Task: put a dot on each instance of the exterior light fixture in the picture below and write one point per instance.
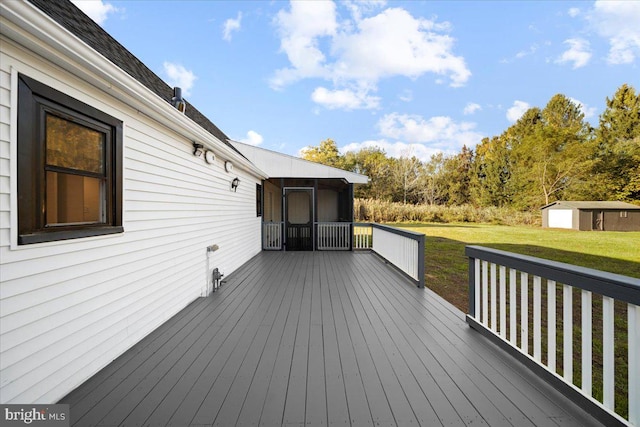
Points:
(198, 149)
(235, 183)
(209, 157)
(177, 101)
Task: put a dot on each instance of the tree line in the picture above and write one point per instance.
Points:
(549, 154)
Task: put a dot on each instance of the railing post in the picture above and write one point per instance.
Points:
(633, 337)
(421, 261)
(472, 287)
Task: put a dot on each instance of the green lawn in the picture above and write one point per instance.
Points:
(446, 265)
(617, 252)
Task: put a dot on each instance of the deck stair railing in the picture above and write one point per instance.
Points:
(526, 305)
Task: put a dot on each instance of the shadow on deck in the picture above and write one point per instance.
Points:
(318, 339)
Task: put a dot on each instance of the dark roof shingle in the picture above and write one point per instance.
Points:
(74, 20)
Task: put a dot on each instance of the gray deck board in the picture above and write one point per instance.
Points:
(318, 339)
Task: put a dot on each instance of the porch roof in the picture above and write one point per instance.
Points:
(278, 165)
(319, 338)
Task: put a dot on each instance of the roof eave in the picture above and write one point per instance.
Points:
(28, 26)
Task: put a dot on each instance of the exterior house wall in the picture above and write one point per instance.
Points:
(327, 205)
(272, 202)
(68, 308)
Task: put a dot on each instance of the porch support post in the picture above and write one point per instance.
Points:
(314, 225)
(350, 215)
(283, 231)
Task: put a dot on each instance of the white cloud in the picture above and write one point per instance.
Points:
(179, 76)
(300, 31)
(440, 132)
(97, 10)
(589, 112)
(578, 53)
(230, 26)
(573, 12)
(361, 51)
(415, 136)
(253, 138)
(394, 43)
(517, 110)
(345, 99)
(471, 108)
(618, 21)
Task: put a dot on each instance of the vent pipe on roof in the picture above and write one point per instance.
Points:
(177, 101)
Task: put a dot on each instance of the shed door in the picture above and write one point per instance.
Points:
(298, 208)
(598, 220)
(560, 218)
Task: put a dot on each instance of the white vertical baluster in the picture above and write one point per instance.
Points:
(537, 308)
(567, 332)
(494, 299)
(513, 332)
(503, 302)
(485, 293)
(633, 334)
(477, 290)
(524, 312)
(551, 325)
(587, 358)
(608, 361)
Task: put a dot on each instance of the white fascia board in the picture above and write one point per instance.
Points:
(28, 26)
(279, 165)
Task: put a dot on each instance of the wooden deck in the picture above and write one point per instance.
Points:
(318, 339)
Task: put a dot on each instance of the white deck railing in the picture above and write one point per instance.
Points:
(362, 236)
(515, 300)
(271, 236)
(335, 236)
(403, 249)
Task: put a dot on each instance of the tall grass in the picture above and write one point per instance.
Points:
(371, 210)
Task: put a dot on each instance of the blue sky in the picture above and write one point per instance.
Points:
(413, 78)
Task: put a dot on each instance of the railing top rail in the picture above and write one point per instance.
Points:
(406, 233)
(613, 285)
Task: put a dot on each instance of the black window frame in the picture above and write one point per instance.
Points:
(258, 200)
(35, 100)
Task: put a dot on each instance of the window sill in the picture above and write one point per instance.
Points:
(52, 236)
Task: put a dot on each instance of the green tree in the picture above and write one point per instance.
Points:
(616, 169)
(406, 176)
(431, 186)
(325, 153)
(551, 150)
(517, 142)
(491, 173)
(374, 163)
(456, 177)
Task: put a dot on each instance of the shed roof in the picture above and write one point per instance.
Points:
(79, 24)
(278, 165)
(614, 205)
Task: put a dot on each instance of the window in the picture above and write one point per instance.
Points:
(69, 167)
(623, 214)
(258, 200)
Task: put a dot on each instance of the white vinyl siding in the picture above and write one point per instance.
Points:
(69, 308)
(560, 218)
